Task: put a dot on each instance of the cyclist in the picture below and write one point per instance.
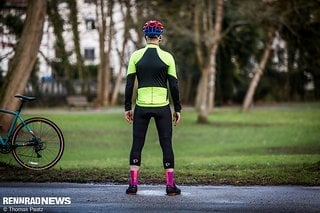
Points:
(154, 69)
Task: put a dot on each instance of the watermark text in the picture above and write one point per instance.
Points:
(36, 201)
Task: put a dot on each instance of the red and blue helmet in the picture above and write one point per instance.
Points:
(153, 28)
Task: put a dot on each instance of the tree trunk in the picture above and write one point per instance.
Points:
(210, 36)
(199, 53)
(102, 33)
(213, 53)
(60, 45)
(257, 76)
(116, 88)
(126, 14)
(104, 69)
(107, 69)
(25, 56)
(212, 77)
(74, 23)
(202, 94)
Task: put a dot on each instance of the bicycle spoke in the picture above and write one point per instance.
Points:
(42, 149)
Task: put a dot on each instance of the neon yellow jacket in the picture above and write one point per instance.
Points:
(155, 69)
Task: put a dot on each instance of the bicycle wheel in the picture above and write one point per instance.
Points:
(40, 150)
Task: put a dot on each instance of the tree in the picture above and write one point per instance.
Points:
(267, 14)
(300, 30)
(73, 17)
(105, 41)
(126, 14)
(57, 23)
(296, 21)
(24, 58)
(207, 37)
(258, 73)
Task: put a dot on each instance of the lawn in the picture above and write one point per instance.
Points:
(266, 146)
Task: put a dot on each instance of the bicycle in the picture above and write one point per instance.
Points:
(36, 143)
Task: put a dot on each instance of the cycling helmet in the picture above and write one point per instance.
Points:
(153, 28)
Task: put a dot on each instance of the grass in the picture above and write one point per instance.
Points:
(264, 146)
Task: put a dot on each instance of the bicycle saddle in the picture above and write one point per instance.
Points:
(25, 98)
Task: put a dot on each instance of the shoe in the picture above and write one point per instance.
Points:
(132, 190)
(172, 191)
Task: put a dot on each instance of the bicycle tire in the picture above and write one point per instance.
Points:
(51, 144)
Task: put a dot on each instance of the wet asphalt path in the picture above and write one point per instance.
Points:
(152, 198)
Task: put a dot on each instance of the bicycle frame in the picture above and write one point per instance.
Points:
(17, 117)
(32, 135)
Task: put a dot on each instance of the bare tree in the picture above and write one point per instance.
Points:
(105, 41)
(207, 37)
(125, 12)
(73, 17)
(24, 58)
(102, 28)
(216, 40)
(57, 24)
(258, 73)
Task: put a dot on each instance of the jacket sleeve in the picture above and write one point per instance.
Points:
(174, 90)
(131, 75)
(128, 91)
(173, 85)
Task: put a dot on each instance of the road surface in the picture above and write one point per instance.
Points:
(73, 197)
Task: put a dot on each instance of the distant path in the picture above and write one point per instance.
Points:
(119, 109)
(152, 198)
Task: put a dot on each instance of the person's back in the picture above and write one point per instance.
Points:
(154, 69)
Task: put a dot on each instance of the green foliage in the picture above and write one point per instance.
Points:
(74, 23)
(92, 70)
(301, 32)
(58, 23)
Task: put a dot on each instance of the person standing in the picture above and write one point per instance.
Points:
(154, 69)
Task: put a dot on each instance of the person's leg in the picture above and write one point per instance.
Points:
(140, 126)
(163, 121)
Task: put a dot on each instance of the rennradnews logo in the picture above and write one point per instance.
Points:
(36, 201)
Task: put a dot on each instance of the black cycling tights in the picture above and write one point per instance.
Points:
(163, 119)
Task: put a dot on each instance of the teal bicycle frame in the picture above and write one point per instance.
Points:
(17, 116)
(27, 139)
